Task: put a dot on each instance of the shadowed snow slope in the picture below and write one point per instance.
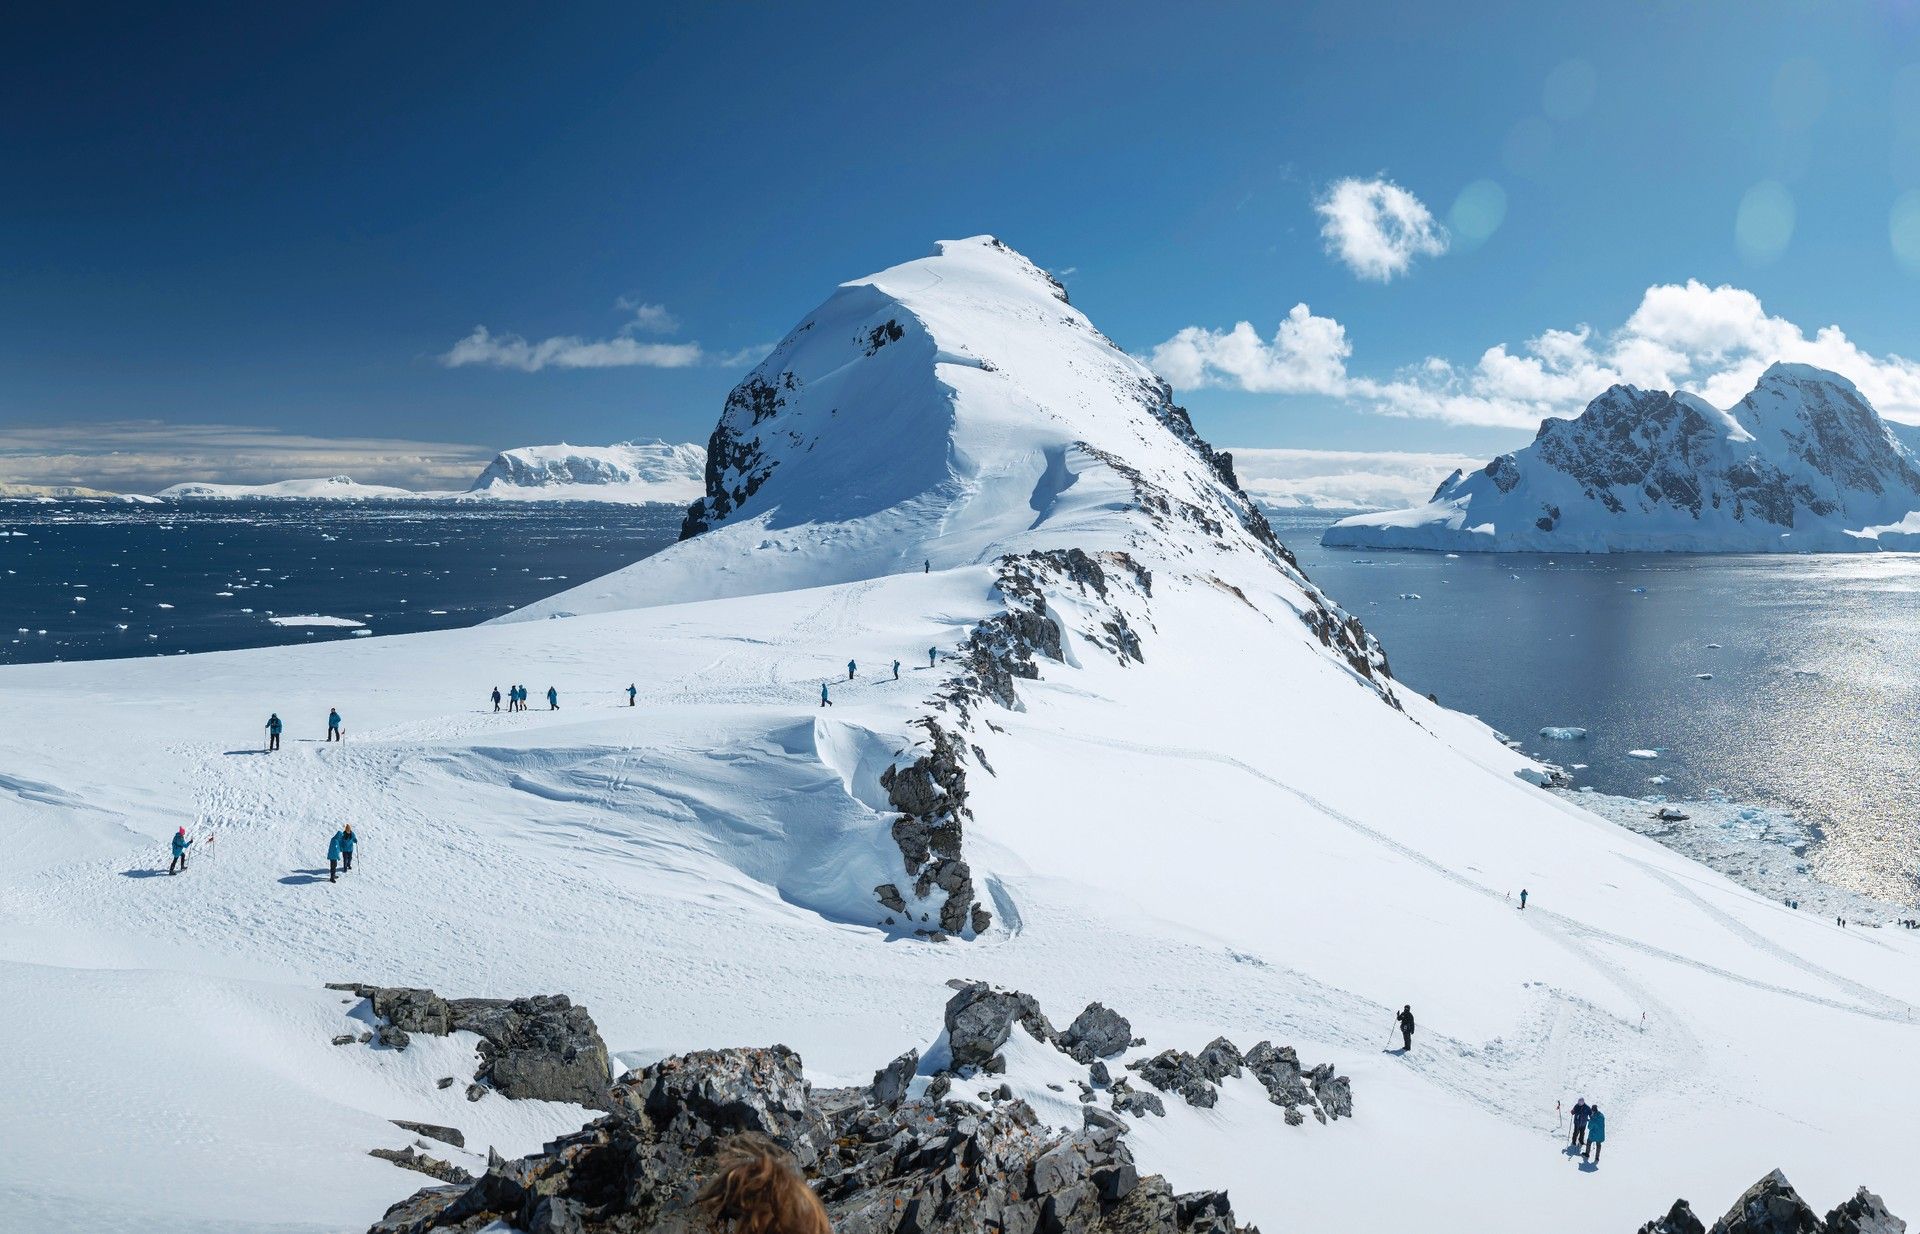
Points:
(1186, 785)
(1801, 465)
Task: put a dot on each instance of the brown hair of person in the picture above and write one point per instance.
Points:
(757, 1189)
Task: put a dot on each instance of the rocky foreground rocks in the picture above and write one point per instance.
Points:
(1772, 1206)
(883, 1163)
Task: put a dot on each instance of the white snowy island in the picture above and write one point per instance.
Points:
(1149, 764)
(1801, 465)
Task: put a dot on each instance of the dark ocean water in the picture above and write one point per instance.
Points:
(1812, 707)
(86, 581)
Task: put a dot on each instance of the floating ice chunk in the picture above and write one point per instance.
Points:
(1713, 646)
(1656, 779)
(1409, 595)
(1453, 556)
(315, 619)
(1643, 754)
(362, 633)
(1578, 767)
(1639, 591)
(1703, 676)
(1554, 732)
(166, 606)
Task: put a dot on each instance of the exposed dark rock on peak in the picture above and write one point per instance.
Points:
(1772, 1206)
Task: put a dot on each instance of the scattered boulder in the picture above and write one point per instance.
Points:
(433, 1131)
(1770, 1206)
(1679, 1220)
(890, 1082)
(980, 1019)
(1864, 1213)
(1096, 1033)
(411, 1159)
(1176, 1071)
(922, 1166)
(1129, 1100)
(1219, 1060)
(541, 1048)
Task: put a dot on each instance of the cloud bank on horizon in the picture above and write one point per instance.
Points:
(1713, 341)
(144, 456)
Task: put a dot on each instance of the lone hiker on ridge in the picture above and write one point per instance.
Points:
(333, 724)
(932, 653)
(1581, 1112)
(896, 670)
(1405, 1020)
(633, 692)
(824, 700)
(180, 846)
(1523, 899)
(273, 731)
(850, 667)
(553, 699)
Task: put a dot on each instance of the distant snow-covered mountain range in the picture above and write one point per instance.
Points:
(1802, 464)
(630, 473)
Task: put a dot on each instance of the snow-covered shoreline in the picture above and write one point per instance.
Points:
(1765, 850)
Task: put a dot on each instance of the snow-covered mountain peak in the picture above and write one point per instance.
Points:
(636, 470)
(1802, 464)
(953, 409)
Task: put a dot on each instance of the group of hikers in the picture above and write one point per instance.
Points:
(275, 725)
(516, 698)
(853, 669)
(1589, 1124)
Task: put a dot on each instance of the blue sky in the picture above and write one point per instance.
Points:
(281, 220)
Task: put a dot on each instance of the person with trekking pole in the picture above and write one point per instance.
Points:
(1405, 1021)
(273, 732)
(1582, 1112)
(180, 846)
(1596, 1134)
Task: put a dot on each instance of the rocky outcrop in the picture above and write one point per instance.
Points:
(915, 1168)
(433, 1131)
(1772, 1206)
(931, 795)
(542, 1047)
(980, 1019)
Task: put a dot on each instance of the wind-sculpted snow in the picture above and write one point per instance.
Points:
(1802, 464)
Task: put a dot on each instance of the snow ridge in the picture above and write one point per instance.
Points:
(1802, 464)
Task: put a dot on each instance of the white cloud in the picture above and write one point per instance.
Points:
(570, 351)
(647, 318)
(567, 351)
(1344, 479)
(1308, 355)
(1713, 341)
(1377, 228)
(142, 456)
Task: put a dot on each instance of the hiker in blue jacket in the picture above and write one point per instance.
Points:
(824, 700)
(180, 846)
(849, 670)
(896, 670)
(348, 842)
(931, 654)
(334, 847)
(1596, 1135)
(1523, 899)
(553, 699)
(633, 692)
(333, 724)
(273, 731)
